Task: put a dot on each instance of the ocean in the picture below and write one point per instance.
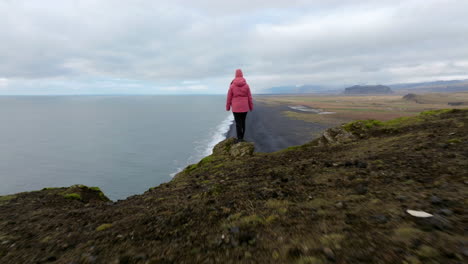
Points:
(122, 144)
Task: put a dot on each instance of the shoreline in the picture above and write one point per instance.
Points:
(270, 130)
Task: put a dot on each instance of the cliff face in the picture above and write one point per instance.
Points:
(341, 198)
(368, 89)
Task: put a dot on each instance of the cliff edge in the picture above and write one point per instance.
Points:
(342, 198)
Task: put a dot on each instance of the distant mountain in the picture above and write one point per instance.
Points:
(295, 89)
(436, 86)
(368, 89)
(422, 87)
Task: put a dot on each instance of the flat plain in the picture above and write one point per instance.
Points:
(333, 110)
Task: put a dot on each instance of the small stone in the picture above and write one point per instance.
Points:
(361, 165)
(440, 222)
(329, 254)
(361, 189)
(339, 205)
(381, 219)
(446, 212)
(234, 229)
(435, 200)
(401, 198)
(435, 222)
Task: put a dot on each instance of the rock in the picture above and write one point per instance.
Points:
(242, 149)
(335, 136)
(435, 200)
(361, 189)
(234, 229)
(339, 205)
(401, 198)
(380, 219)
(465, 252)
(440, 222)
(361, 164)
(294, 252)
(435, 222)
(420, 214)
(329, 254)
(229, 147)
(445, 211)
(223, 147)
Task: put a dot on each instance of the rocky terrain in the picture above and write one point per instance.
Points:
(342, 198)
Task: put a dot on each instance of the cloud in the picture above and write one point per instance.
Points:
(165, 45)
(3, 82)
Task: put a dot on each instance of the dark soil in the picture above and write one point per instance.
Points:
(317, 203)
(272, 131)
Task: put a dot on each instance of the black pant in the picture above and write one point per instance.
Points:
(240, 124)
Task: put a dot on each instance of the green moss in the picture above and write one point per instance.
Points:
(206, 159)
(72, 196)
(103, 227)
(271, 219)
(407, 234)
(434, 112)
(454, 141)
(362, 124)
(6, 198)
(427, 252)
(191, 168)
(402, 121)
(309, 260)
(281, 206)
(97, 189)
(215, 190)
(317, 203)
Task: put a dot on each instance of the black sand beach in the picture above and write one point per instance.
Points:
(271, 131)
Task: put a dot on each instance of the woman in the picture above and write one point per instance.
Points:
(239, 99)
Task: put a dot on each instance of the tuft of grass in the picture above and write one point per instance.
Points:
(6, 198)
(454, 141)
(407, 234)
(362, 125)
(249, 221)
(281, 206)
(206, 159)
(103, 227)
(332, 240)
(191, 168)
(309, 260)
(97, 189)
(72, 196)
(318, 203)
(435, 112)
(427, 252)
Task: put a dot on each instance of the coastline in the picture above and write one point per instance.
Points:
(271, 131)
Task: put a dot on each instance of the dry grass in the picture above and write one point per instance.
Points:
(379, 107)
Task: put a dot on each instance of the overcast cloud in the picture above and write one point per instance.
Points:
(181, 46)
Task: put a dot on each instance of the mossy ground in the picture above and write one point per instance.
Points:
(341, 203)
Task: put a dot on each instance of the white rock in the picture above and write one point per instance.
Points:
(418, 213)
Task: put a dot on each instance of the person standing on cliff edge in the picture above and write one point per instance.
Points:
(239, 99)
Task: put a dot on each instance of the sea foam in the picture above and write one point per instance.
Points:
(205, 147)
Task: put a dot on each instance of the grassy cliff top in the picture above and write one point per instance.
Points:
(339, 199)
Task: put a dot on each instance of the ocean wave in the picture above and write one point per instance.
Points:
(205, 147)
(218, 135)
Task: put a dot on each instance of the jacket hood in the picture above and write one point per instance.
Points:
(239, 73)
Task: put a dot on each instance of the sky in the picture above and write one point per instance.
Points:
(194, 47)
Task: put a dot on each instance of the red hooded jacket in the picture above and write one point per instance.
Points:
(239, 97)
